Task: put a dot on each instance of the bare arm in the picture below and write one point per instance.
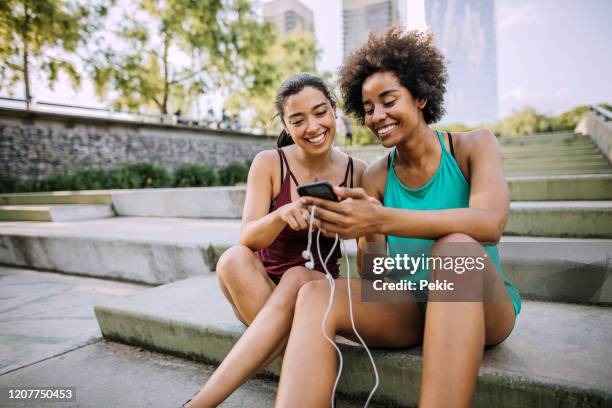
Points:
(373, 183)
(484, 220)
(259, 226)
(489, 204)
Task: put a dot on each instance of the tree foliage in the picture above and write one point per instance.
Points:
(285, 55)
(38, 35)
(170, 51)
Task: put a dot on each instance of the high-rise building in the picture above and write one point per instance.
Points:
(289, 15)
(360, 17)
(465, 32)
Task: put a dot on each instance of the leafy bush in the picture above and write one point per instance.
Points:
(140, 175)
(234, 173)
(195, 175)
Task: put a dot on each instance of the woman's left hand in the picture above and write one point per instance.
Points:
(356, 215)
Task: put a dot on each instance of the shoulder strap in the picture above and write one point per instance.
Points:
(284, 158)
(349, 173)
(280, 154)
(450, 144)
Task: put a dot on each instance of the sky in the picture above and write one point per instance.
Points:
(552, 54)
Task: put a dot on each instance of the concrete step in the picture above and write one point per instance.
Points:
(550, 138)
(575, 187)
(549, 269)
(227, 202)
(57, 212)
(566, 160)
(58, 197)
(517, 172)
(161, 250)
(556, 356)
(138, 249)
(579, 219)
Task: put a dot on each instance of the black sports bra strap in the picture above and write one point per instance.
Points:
(352, 170)
(450, 144)
(284, 158)
(349, 169)
(282, 166)
(389, 161)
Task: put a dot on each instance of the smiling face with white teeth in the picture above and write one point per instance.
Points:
(391, 112)
(309, 119)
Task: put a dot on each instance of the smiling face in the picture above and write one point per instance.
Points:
(309, 119)
(391, 112)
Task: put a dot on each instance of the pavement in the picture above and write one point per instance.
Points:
(49, 337)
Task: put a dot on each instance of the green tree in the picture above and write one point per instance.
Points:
(285, 56)
(38, 35)
(174, 50)
(526, 122)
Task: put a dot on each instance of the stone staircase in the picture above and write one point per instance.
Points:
(557, 250)
(545, 154)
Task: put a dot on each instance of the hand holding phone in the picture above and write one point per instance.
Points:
(319, 189)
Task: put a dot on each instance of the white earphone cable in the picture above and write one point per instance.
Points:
(332, 290)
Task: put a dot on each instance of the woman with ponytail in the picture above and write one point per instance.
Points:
(262, 276)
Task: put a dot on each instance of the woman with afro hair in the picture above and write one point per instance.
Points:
(443, 197)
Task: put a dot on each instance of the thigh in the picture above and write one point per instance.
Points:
(380, 324)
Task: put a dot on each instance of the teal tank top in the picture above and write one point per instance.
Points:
(447, 189)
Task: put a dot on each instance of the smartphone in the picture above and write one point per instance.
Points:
(319, 189)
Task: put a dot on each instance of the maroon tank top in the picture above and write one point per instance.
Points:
(286, 250)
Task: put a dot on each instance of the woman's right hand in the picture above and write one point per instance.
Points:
(295, 215)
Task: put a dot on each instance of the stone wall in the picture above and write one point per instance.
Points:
(38, 145)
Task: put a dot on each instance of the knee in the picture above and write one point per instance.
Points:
(455, 237)
(294, 278)
(312, 295)
(233, 262)
(445, 245)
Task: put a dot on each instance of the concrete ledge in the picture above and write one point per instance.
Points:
(59, 212)
(549, 269)
(556, 356)
(152, 251)
(58, 197)
(198, 202)
(600, 131)
(541, 188)
(580, 219)
(161, 250)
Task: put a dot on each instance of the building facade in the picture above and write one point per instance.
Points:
(289, 15)
(465, 32)
(360, 17)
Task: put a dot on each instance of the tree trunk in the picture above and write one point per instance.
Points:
(166, 82)
(26, 67)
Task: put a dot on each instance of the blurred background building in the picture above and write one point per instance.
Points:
(465, 32)
(360, 17)
(288, 15)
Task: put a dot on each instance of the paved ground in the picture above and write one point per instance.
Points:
(44, 314)
(49, 337)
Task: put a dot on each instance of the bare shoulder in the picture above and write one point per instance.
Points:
(477, 140)
(265, 162)
(359, 167)
(375, 177)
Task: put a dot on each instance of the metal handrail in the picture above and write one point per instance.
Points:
(144, 117)
(601, 111)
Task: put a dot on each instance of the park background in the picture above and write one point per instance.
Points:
(119, 190)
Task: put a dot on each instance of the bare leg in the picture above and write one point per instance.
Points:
(244, 282)
(309, 367)
(261, 342)
(455, 335)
